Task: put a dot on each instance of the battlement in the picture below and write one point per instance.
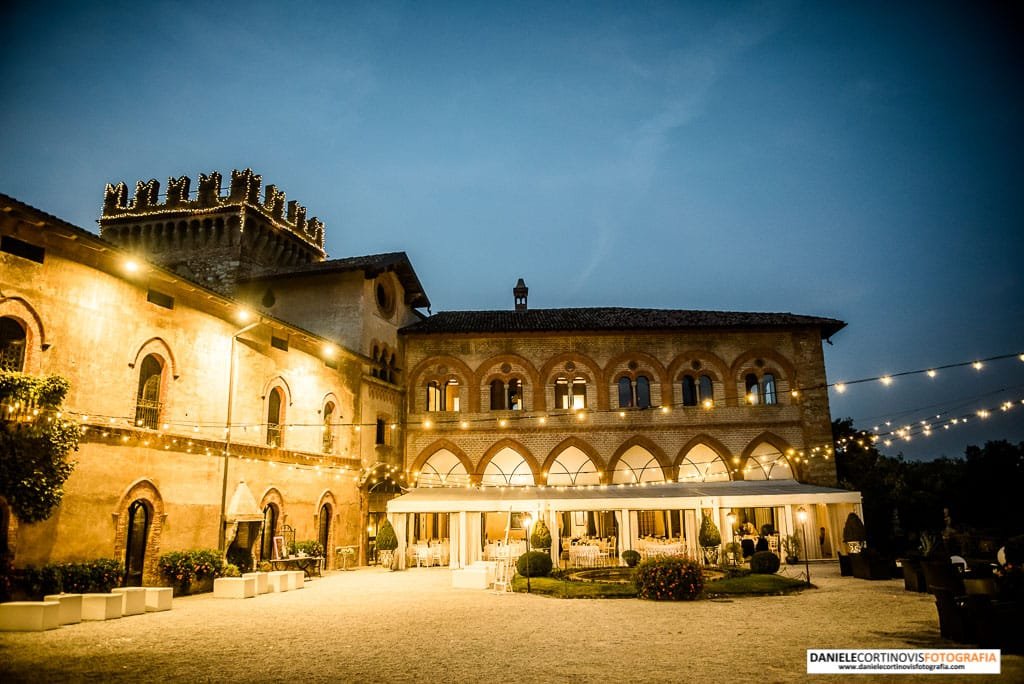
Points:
(244, 190)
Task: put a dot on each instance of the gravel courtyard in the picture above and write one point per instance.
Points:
(371, 625)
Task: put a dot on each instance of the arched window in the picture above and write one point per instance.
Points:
(451, 395)
(268, 532)
(325, 528)
(147, 404)
(328, 445)
(12, 345)
(625, 393)
(275, 405)
(768, 385)
(515, 394)
(689, 391)
(434, 395)
(497, 395)
(707, 391)
(643, 392)
(579, 392)
(753, 389)
(135, 548)
(561, 392)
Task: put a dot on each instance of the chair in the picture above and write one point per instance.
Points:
(422, 555)
(435, 554)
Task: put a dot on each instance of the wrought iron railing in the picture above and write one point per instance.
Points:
(147, 414)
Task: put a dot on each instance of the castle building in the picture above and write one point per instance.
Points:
(234, 385)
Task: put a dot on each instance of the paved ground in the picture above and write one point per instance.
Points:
(372, 625)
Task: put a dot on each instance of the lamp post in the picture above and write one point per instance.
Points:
(227, 434)
(527, 523)
(801, 515)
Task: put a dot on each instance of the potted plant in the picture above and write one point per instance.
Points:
(734, 552)
(631, 557)
(710, 539)
(855, 536)
(791, 548)
(387, 542)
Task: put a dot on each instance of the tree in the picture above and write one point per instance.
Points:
(34, 444)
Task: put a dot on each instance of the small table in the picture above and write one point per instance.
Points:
(307, 564)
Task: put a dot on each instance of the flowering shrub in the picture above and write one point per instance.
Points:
(310, 548)
(669, 578)
(181, 568)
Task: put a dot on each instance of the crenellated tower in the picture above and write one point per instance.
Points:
(213, 238)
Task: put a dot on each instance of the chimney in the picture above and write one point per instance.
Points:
(520, 291)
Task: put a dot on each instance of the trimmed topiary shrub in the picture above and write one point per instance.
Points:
(386, 539)
(764, 563)
(631, 557)
(539, 564)
(540, 538)
(854, 530)
(669, 578)
(710, 539)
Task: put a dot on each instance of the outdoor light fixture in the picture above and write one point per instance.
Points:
(801, 515)
(131, 266)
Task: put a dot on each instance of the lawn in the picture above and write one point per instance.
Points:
(746, 585)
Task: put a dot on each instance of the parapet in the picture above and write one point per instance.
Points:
(244, 189)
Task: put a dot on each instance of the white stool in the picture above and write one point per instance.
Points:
(70, 607)
(29, 616)
(102, 606)
(262, 581)
(279, 580)
(158, 598)
(134, 600)
(234, 587)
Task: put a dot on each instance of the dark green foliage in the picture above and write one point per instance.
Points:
(181, 568)
(540, 564)
(764, 563)
(761, 545)
(631, 557)
(767, 530)
(540, 538)
(386, 539)
(311, 547)
(709, 534)
(854, 529)
(669, 578)
(34, 444)
(1014, 551)
(98, 576)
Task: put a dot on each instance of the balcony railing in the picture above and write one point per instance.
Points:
(147, 414)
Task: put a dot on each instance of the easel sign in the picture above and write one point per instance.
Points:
(278, 548)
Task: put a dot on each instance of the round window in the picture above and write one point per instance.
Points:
(385, 298)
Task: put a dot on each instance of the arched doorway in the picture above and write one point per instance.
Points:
(268, 532)
(324, 535)
(135, 543)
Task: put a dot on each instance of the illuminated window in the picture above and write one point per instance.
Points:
(763, 390)
(752, 389)
(12, 345)
(275, 406)
(147, 403)
(579, 393)
(434, 395)
(443, 397)
(768, 385)
(707, 389)
(451, 395)
(515, 395)
(570, 395)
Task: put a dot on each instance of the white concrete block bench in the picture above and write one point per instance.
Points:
(29, 616)
(70, 607)
(262, 581)
(279, 580)
(479, 575)
(158, 598)
(102, 606)
(234, 587)
(134, 600)
(298, 579)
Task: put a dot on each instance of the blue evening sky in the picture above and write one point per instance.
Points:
(857, 160)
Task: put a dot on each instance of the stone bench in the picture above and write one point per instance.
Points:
(134, 600)
(102, 606)
(279, 580)
(298, 579)
(234, 587)
(158, 598)
(479, 575)
(262, 581)
(70, 607)
(29, 616)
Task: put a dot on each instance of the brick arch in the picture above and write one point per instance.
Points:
(583, 446)
(719, 372)
(418, 377)
(772, 440)
(519, 447)
(668, 470)
(149, 494)
(708, 441)
(773, 360)
(35, 332)
(277, 381)
(429, 451)
(158, 347)
(492, 373)
(656, 366)
(547, 377)
(273, 496)
(327, 497)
